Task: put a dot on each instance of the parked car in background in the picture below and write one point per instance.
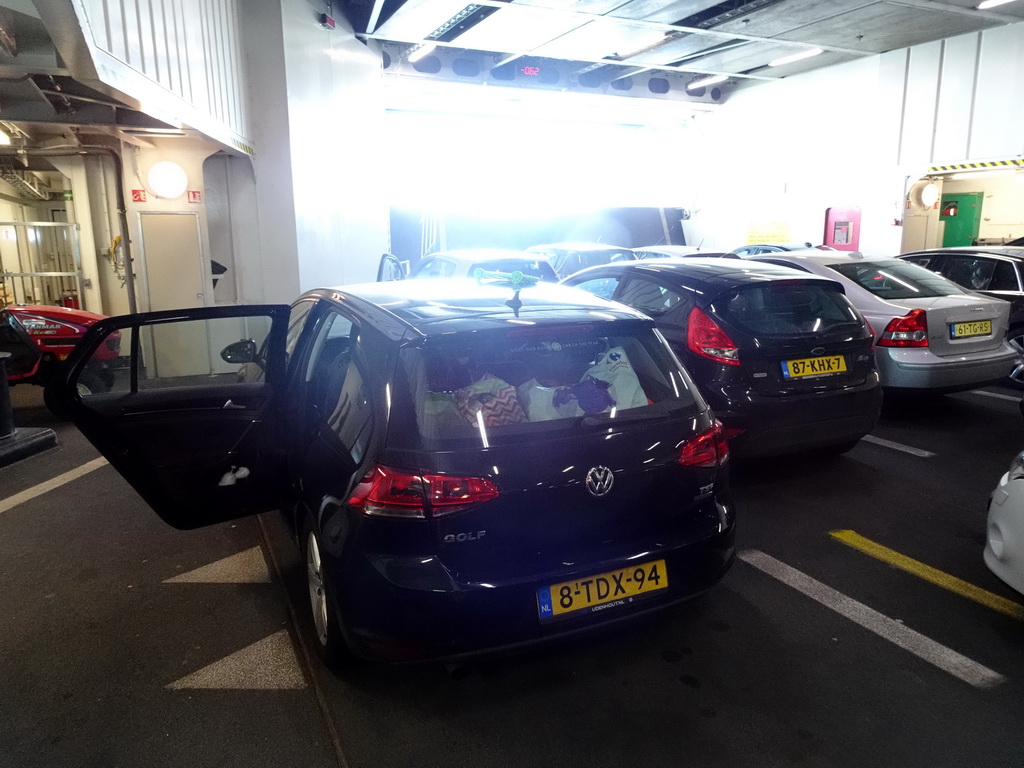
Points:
(39, 337)
(465, 263)
(674, 252)
(1015, 241)
(931, 335)
(568, 258)
(996, 271)
(466, 466)
(1004, 540)
(753, 249)
(783, 357)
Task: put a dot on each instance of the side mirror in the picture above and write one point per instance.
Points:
(243, 351)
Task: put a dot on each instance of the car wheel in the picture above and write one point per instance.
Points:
(328, 639)
(1015, 337)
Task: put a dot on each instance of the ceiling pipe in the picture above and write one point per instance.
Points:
(122, 212)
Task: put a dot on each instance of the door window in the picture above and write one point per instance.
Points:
(338, 385)
(970, 271)
(600, 286)
(1004, 278)
(179, 354)
(649, 296)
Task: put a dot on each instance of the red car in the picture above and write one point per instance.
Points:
(40, 337)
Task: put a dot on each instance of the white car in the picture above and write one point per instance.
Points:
(465, 262)
(652, 252)
(1004, 540)
(931, 335)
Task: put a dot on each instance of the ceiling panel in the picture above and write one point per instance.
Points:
(732, 37)
(882, 27)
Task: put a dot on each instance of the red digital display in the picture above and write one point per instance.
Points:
(530, 71)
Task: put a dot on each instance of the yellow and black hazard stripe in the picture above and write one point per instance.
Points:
(1012, 163)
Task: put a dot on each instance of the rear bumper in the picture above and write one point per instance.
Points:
(923, 370)
(774, 426)
(1004, 540)
(408, 609)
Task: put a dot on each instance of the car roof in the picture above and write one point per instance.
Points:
(577, 246)
(474, 255)
(1010, 251)
(824, 257)
(788, 246)
(448, 305)
(714, 271)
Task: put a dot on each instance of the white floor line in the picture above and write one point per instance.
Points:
(898, 447)
(997, 395)
(923, 647)
(38, 490)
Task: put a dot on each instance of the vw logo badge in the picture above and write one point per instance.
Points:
(599, 481)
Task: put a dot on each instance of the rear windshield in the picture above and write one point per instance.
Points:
(503, 386)
(538, 268)
(787, 309)
(894, 279)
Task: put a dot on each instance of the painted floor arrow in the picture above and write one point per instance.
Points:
(246, 567)
(269, 664)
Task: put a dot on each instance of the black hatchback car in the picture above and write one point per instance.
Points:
(783, 357)
(466, 467)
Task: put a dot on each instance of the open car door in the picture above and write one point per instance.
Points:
(185, 410)
(391, 268)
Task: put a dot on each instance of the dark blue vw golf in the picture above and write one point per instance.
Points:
(467, 466)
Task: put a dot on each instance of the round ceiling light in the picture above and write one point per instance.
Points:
(929, 195)
(167, 179)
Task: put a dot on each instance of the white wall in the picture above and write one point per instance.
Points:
(858, 134)
(335, 114)
(181, 59)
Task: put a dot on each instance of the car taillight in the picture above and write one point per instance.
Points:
(908, 331)
(387, 492)
(706, 338)
(708, 449)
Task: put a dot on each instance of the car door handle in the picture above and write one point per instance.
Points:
(230, 406)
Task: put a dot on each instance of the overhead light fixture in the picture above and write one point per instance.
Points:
(167, 180)
(5, 139)
(706, 81)
(799, 56)
(984, 6)
(420, 51)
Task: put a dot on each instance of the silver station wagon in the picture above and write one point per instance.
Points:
(930, 333)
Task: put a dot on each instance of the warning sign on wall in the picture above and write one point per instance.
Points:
(195, 196)
(138, 195)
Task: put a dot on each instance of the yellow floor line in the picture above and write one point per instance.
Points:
(934, 575)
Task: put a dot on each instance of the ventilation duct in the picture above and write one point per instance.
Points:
(26, 183)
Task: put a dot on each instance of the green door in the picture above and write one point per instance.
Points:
(962, 216)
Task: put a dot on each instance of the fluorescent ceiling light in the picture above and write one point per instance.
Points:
(713, 80)
(420, 51)
(5, 139)
(992, 4)
(799, 56)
